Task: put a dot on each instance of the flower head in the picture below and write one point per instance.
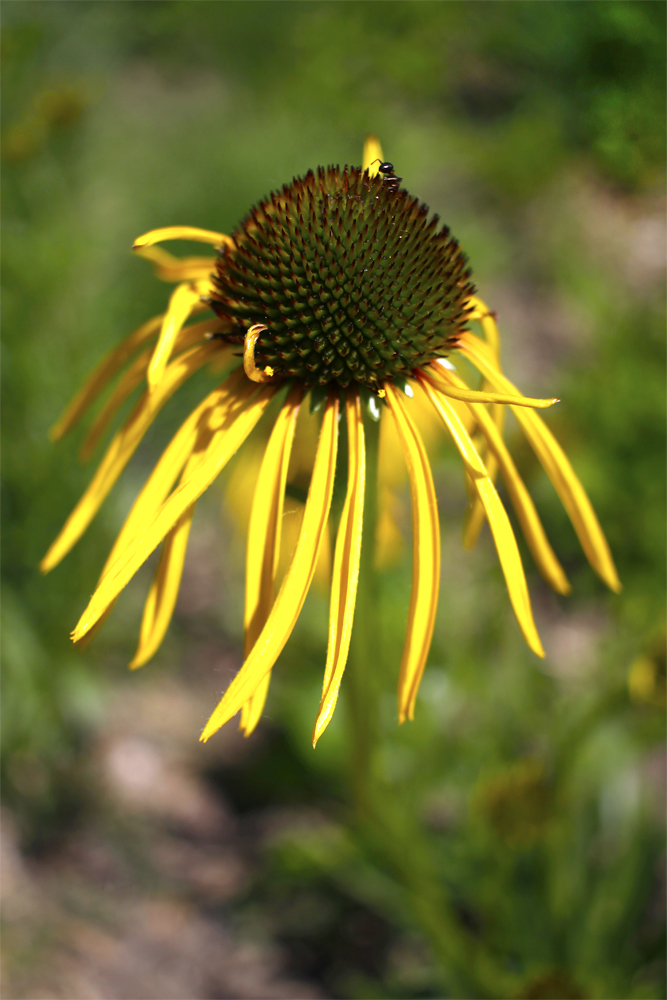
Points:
(341, 287)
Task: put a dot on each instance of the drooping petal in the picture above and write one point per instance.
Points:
(345, 567)
(487, 320)
(170, 268)
(90, 391)
(425, 557)
(459, 390)
(182, 233)
(121, 449)
(133, 377)
(476, 513)
(296, 582)
(372, 153)
(556, 465)
(544, 556)
(181, 303)
(501, 529)
(129, 381)
(161, 600)
(164, 475)
(236, 424)
(263, 550)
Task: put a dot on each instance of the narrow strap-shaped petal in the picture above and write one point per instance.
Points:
(372, 152)
(181, 303)
(165, 474)
(128, 382)
(346, 566)
(557, 467)
(544, 556)
(263, 549)
(501, 529)
(133, 377)
(122, 447)
(170, 268)
(252, 710)
(182, 233)
(476, 513)
(425, 557)
(461, 391)
(161, 600)
(295, 583)
(109, 367)
(172, 461)
(487, 320)
(236, 424)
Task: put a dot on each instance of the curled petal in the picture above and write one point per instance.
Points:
(182, 233)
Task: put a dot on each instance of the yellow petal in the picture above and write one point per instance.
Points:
(501, 529)
(170, 268)
(372, 152)
(180, 306)
(263, 549)
(556, 465)
(425, 557)
(162, 596)
(476, 513)
(103, 374)
(163, 477)
(251, 712)
(296, 582)
(345, 568)
(182, 233)
(122, 447)
(236, 424)
(129, 381)
(462, 392)
(487, 320)
(544, 556)
(171, 462)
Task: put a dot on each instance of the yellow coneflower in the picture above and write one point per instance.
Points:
(341, 286)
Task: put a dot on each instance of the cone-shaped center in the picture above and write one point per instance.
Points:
(352, 279)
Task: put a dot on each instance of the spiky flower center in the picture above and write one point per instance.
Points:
(352, 279)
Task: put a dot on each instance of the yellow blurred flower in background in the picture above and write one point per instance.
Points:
(340, 288)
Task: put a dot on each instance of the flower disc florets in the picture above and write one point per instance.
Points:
(350, 276)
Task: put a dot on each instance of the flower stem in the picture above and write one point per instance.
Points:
(386, 814)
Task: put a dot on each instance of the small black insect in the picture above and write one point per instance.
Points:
(389, 178)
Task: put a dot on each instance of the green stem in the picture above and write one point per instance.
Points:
(386, 815)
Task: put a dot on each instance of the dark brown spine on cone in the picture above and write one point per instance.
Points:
(352, 279)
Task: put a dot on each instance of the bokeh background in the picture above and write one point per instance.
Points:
(139, 863)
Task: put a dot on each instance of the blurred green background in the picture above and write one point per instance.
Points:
(139, 863)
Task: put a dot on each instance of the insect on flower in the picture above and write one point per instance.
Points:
(341, 284)
(391, 181)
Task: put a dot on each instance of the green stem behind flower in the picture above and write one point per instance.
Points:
(386, 816)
